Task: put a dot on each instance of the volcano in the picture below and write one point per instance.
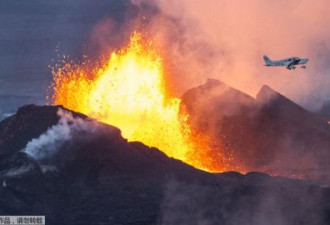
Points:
(268, 133)
(92, 175)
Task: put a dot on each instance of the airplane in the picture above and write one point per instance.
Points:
(289, 63)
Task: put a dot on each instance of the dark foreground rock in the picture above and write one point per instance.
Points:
(77, 171)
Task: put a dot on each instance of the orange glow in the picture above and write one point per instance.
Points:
(128, 91)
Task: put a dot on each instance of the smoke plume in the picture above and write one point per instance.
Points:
(227, 39)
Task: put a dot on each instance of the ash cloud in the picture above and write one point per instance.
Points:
(226, 40)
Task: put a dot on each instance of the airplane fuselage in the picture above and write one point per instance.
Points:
(289, 63)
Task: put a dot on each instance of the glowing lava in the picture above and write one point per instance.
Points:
(128, 90)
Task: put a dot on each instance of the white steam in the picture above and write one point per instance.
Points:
(17, 171)
(48, 143)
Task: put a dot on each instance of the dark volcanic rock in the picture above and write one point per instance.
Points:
(325, 110)
(97, 177)
(270, 133)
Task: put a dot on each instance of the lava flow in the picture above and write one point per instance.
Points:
(128, 90)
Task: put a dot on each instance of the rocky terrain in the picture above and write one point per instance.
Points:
(77, 171)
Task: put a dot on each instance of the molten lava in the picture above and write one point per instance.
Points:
(128, 90)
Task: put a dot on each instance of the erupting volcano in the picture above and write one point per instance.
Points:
(128, 90)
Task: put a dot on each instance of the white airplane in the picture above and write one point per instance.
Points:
(289, 63)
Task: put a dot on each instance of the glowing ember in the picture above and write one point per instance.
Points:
(128, 91)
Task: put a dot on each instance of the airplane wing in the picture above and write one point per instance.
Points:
(292, 64)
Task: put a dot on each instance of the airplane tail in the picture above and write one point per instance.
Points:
(267, 60)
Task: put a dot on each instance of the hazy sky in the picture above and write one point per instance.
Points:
(31, 30)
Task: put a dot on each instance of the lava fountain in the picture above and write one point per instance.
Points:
(128, 90)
